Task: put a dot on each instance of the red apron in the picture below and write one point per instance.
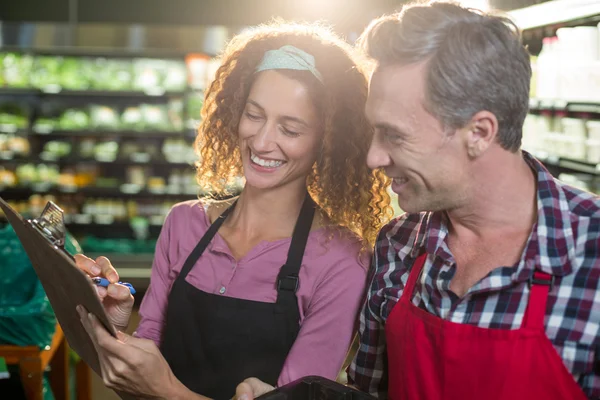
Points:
(430, 358)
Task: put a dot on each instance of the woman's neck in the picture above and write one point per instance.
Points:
(266, 214)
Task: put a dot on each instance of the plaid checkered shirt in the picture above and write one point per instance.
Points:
(565, 242)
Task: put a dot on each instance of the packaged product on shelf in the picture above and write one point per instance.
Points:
(75, 73)
(579, 64)
(104, 117)
(575, 135)
(547, 71)
(16, 69)
(46, 73)
(156, 184)
(8, 178)
(16, 145)
(67, 180)
(74, 119)
(197, 69)
(593, 129)
(136, 175)
(593, 151)
(112, 74)
(132, 118)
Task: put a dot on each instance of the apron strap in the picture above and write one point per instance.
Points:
(540, 285)
(413, 275)
(287, 280)
(203, 243)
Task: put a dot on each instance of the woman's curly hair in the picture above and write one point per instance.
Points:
(345, 189)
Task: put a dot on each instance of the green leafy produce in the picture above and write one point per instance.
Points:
(112, 74)
(45, 125)
(15, 69)
(195, 102)
(74, 119)
(57, 149)
(75, 73)
(104, 117)
(156, 117)
(148, 74)
(133, 119)
(175, 112)
(18, 121)
(14, 114)
(46, 72)
(175, 76)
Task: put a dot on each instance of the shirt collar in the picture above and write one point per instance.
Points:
(551, 244)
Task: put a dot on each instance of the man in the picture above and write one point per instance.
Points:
(488, 286)
(500, 261)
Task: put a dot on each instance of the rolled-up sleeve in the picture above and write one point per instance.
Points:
(329, 324)
(154, 305)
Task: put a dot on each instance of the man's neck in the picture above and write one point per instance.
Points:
(491, 231)
(503, 197)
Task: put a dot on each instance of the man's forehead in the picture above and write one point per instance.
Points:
(396, 88)
(390, 79)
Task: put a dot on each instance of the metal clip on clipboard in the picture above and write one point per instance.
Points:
(51, 224)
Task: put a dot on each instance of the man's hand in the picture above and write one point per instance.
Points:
(251, 388)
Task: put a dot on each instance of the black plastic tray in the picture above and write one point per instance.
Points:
(315, 388)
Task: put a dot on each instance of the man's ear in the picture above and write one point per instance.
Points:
(481, 133)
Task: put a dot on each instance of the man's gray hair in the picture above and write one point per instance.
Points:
(475, 61)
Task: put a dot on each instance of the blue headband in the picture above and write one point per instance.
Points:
(289, 57)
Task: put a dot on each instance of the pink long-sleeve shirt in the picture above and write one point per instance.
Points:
(332, 283)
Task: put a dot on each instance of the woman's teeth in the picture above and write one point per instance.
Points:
(400, 181)
(265, 163)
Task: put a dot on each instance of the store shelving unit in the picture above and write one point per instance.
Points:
(121, 191)
(544, 20)
(564, 105)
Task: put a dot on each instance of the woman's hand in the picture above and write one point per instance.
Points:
(133, 365)
(116, 299)
(251, 388)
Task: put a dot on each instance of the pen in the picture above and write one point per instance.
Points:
(104, 283)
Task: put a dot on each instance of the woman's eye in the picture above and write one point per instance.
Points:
(289, 133)
(252, 117)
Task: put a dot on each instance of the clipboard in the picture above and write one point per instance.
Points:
(65, 285)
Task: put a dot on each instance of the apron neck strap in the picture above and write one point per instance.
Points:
(203, 243)
(413, 276)
(287, 280)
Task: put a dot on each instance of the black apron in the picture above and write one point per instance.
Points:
(213, 342)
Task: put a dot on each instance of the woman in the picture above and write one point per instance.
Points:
(266, 285)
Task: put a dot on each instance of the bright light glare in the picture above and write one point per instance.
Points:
(483, 5)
